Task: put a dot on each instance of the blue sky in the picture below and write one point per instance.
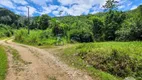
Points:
(68, 7)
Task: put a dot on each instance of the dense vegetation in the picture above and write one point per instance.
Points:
(3, 63)
(5, 31)
(36, 37)
(120, 59)
(112, 25)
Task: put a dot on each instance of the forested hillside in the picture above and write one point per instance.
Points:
(112, 25)
(7, 17)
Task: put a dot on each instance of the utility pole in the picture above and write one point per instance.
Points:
(28, 21)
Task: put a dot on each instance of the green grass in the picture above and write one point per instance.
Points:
(3, 63)
(106, 60)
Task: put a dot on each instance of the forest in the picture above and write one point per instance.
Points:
(108, 42)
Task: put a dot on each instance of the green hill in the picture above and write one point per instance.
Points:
(7, 17)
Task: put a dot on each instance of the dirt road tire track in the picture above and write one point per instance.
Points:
(43, 65)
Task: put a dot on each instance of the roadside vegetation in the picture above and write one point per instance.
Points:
(3, 63)
(106, 60)
(5, 31)
(36, 37)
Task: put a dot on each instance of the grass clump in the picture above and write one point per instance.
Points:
(3, 63)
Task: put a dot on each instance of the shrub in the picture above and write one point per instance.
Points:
(36, 37)
(21, 35)
(5, 31)
(124, 34)
(81, 36)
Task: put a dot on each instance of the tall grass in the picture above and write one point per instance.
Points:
(3, 63)
(36, 37)
(5, 31)
(120, 59)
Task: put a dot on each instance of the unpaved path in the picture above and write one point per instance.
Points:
(39, 64)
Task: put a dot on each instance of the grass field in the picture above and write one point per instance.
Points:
(106, 60)
(3, 63)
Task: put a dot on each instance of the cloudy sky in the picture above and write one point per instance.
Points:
(68, 7)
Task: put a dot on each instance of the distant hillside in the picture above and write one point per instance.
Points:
(132, 13)
(7, 17)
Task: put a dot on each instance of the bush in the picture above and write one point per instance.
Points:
(21, 35)
(5, 31)
(81, 36)
(124, 34)
(36, 37)
(46, 34)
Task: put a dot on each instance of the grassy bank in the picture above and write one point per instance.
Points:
(3, 63)
(106, 60)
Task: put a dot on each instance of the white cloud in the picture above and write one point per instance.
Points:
(56, 13)
(95, 10)
(122, 6)
(41, 2)
(129, 3)
(66, 2)
(89, 2)
(24, 10)
(7, 3)
(48, 9)
(77, 7)
(134, 7)
(23, 2)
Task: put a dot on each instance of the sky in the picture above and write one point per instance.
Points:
(63, 7)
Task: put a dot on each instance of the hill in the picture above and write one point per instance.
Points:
(7, 17)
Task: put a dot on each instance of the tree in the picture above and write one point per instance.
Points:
(59, 28)
(132, 27)
(113, 19)
(110, 4)
(81, 35)
(97, 28)
(44, 21)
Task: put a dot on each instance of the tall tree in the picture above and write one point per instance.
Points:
(97, 28)
(44, 21)
(113, 19)
(110, 4)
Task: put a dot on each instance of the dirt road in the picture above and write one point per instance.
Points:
(39, 64)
